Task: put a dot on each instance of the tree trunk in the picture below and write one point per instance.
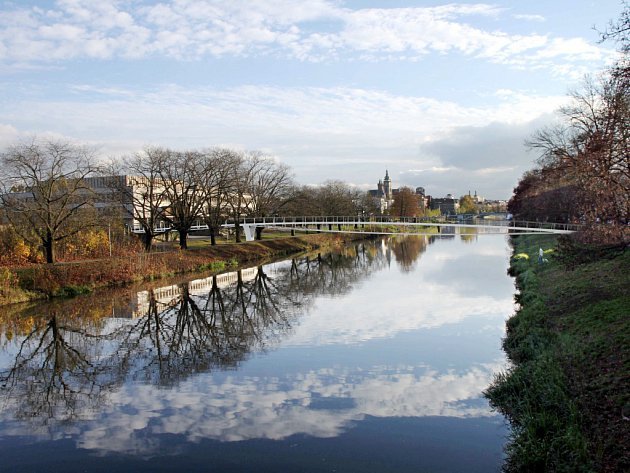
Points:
(237, 230)
(213, 237)
(183, 239)
(259, 231)
(49, 248)
(147, 240)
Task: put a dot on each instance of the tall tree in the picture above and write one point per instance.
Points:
(540, 195)
(44, 191)
(141, 194)
(467, 205)
(179, 172)
(368, 205)
(301, 201)
(269, 185)
(589, 149)
(406, 204)
(337, 198)
(214, 179)
(240, 178)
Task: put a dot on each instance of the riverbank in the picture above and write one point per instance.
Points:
(567, 394)
(67, 279)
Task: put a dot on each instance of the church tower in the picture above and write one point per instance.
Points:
(387, 185)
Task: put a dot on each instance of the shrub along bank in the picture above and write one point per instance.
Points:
(567, 393)
(67, 279)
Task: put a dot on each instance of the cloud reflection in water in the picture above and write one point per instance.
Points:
(186, 369)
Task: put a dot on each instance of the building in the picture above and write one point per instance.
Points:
(134, 195)
(446, 205)
(384, 193)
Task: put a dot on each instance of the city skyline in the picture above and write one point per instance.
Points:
(442, 95)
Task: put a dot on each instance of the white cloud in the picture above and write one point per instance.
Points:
(315, 30)
(494, 170)
(571, 48)
(244, 408)
(321, 132)
(433, 169)
(529, 17)
(8, 134)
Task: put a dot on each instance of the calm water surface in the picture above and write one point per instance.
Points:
(370, 359)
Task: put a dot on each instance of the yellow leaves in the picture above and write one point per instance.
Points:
(85, 245)
(22, 250)
(7, 278)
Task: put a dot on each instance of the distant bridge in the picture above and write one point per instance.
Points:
(394, 225)
(491, 224)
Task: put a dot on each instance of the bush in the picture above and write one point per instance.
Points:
(8, 279)
(14, 251)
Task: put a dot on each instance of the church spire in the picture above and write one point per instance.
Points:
(387, 186)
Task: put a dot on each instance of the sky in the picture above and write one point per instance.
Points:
(442, 95)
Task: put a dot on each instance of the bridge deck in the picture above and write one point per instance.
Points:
(371, 224)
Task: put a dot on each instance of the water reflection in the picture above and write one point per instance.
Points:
(312, 345)
(319, 403)
(72, 355)
(408, 250)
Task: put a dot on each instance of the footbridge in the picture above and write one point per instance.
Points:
(447, 225)
(253, 227)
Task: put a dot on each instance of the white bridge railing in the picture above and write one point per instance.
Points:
(367, 224)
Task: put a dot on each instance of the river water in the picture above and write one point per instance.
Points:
(371, 359)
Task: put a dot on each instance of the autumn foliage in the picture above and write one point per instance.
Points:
(406, 204)
(584, 165)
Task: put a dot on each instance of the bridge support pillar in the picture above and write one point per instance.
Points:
(250, 232)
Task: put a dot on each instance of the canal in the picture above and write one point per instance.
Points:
(369, 359)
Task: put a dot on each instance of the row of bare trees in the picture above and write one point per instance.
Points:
(182, 188)
(51, 190)
(47, 196)
(584, 165)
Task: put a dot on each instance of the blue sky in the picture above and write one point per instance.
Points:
(441, 94)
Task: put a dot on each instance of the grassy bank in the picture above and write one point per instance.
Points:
(567, 393)
(67, 279)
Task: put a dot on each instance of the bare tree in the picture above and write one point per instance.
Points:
(589, 149)
(269, 185)
(45, 194)
(215, 179)
(238, 192)
(337, 198)
(140, 191)
(368, 205)
(301, 200)
(179, 172)
(619, 30)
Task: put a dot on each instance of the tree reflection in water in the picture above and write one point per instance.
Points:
(68, 355)
(407, 250)
(56, 372)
